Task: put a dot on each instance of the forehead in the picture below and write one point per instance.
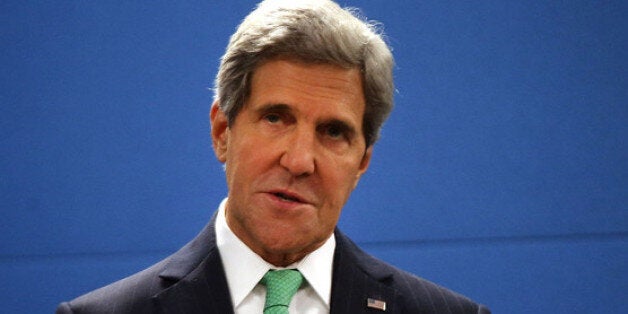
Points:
(309, 86)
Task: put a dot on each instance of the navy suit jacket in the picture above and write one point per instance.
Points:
(192, 280)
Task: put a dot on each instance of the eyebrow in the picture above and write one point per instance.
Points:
(279, 108)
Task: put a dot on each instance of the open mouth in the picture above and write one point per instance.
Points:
(286, 197)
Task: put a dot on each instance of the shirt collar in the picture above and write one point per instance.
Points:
(244, 269)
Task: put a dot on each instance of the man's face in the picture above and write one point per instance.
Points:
(293, 155)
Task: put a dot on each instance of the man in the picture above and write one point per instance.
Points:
(302, 92)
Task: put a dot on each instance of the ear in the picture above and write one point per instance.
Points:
(219, 131)
(364, 164)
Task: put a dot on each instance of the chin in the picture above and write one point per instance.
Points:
(284, 245)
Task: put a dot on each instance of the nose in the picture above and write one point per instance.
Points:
(299, 156)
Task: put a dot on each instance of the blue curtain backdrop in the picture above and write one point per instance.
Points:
(502, 173)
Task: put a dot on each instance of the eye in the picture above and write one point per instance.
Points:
(334, 132)
(272, 118)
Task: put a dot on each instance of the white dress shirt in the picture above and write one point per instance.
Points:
(244, 269)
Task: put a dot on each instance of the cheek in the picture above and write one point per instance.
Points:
(340, 182)
(346, 170)
(247, 162)
(241, 153)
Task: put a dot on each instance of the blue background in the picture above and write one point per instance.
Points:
(502, 173)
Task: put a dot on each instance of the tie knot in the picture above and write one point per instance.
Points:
(281, 285)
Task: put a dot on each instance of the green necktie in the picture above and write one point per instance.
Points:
(281, 285)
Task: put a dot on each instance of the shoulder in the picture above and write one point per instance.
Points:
(129, 295)
(136, 293)
(420, 294)
(412, 293)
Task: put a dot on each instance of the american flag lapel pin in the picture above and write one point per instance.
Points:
(376, 304)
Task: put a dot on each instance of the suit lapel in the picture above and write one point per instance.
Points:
(356, 279)
(199, 282)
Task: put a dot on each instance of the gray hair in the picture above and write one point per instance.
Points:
(315, 31)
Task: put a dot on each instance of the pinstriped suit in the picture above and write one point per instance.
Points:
(193, 281)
